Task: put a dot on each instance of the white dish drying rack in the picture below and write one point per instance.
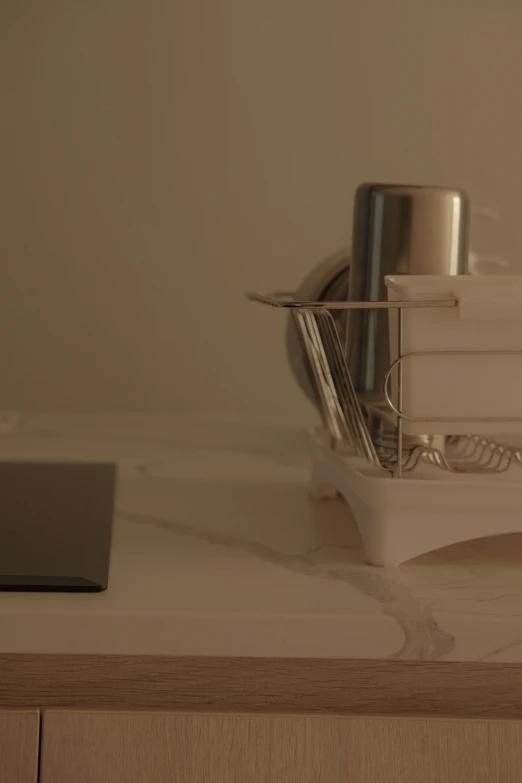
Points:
(456, 367)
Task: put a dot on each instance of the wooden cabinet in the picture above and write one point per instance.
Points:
(19, 746)
(134, 747)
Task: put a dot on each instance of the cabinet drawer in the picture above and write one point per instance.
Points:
(138, 747)
(19, 732)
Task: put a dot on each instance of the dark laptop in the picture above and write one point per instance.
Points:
(55, 525)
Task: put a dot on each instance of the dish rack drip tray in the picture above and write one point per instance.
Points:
(429, 509)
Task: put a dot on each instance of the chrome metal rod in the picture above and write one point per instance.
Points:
(400, 387)
(279, 300)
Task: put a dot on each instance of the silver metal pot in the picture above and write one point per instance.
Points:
(397, 229)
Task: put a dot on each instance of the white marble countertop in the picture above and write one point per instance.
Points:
(218, 551)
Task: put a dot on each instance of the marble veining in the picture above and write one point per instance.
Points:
(218, 550)
(423, 639)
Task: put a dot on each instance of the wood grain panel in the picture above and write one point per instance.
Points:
(167, 748)
(19, 746)
(262, 685)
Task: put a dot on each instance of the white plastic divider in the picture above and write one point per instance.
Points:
(461, 366)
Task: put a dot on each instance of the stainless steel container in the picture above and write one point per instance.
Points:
(403, 230)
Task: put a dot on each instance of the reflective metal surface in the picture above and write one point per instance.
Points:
(327, 282)
(397, 229)
(404, 230)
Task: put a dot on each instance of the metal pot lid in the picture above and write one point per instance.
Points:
(327, 282)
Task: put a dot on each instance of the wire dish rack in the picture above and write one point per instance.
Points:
(410, 494)
(347, 420)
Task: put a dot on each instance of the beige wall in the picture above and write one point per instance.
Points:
(159, 157)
